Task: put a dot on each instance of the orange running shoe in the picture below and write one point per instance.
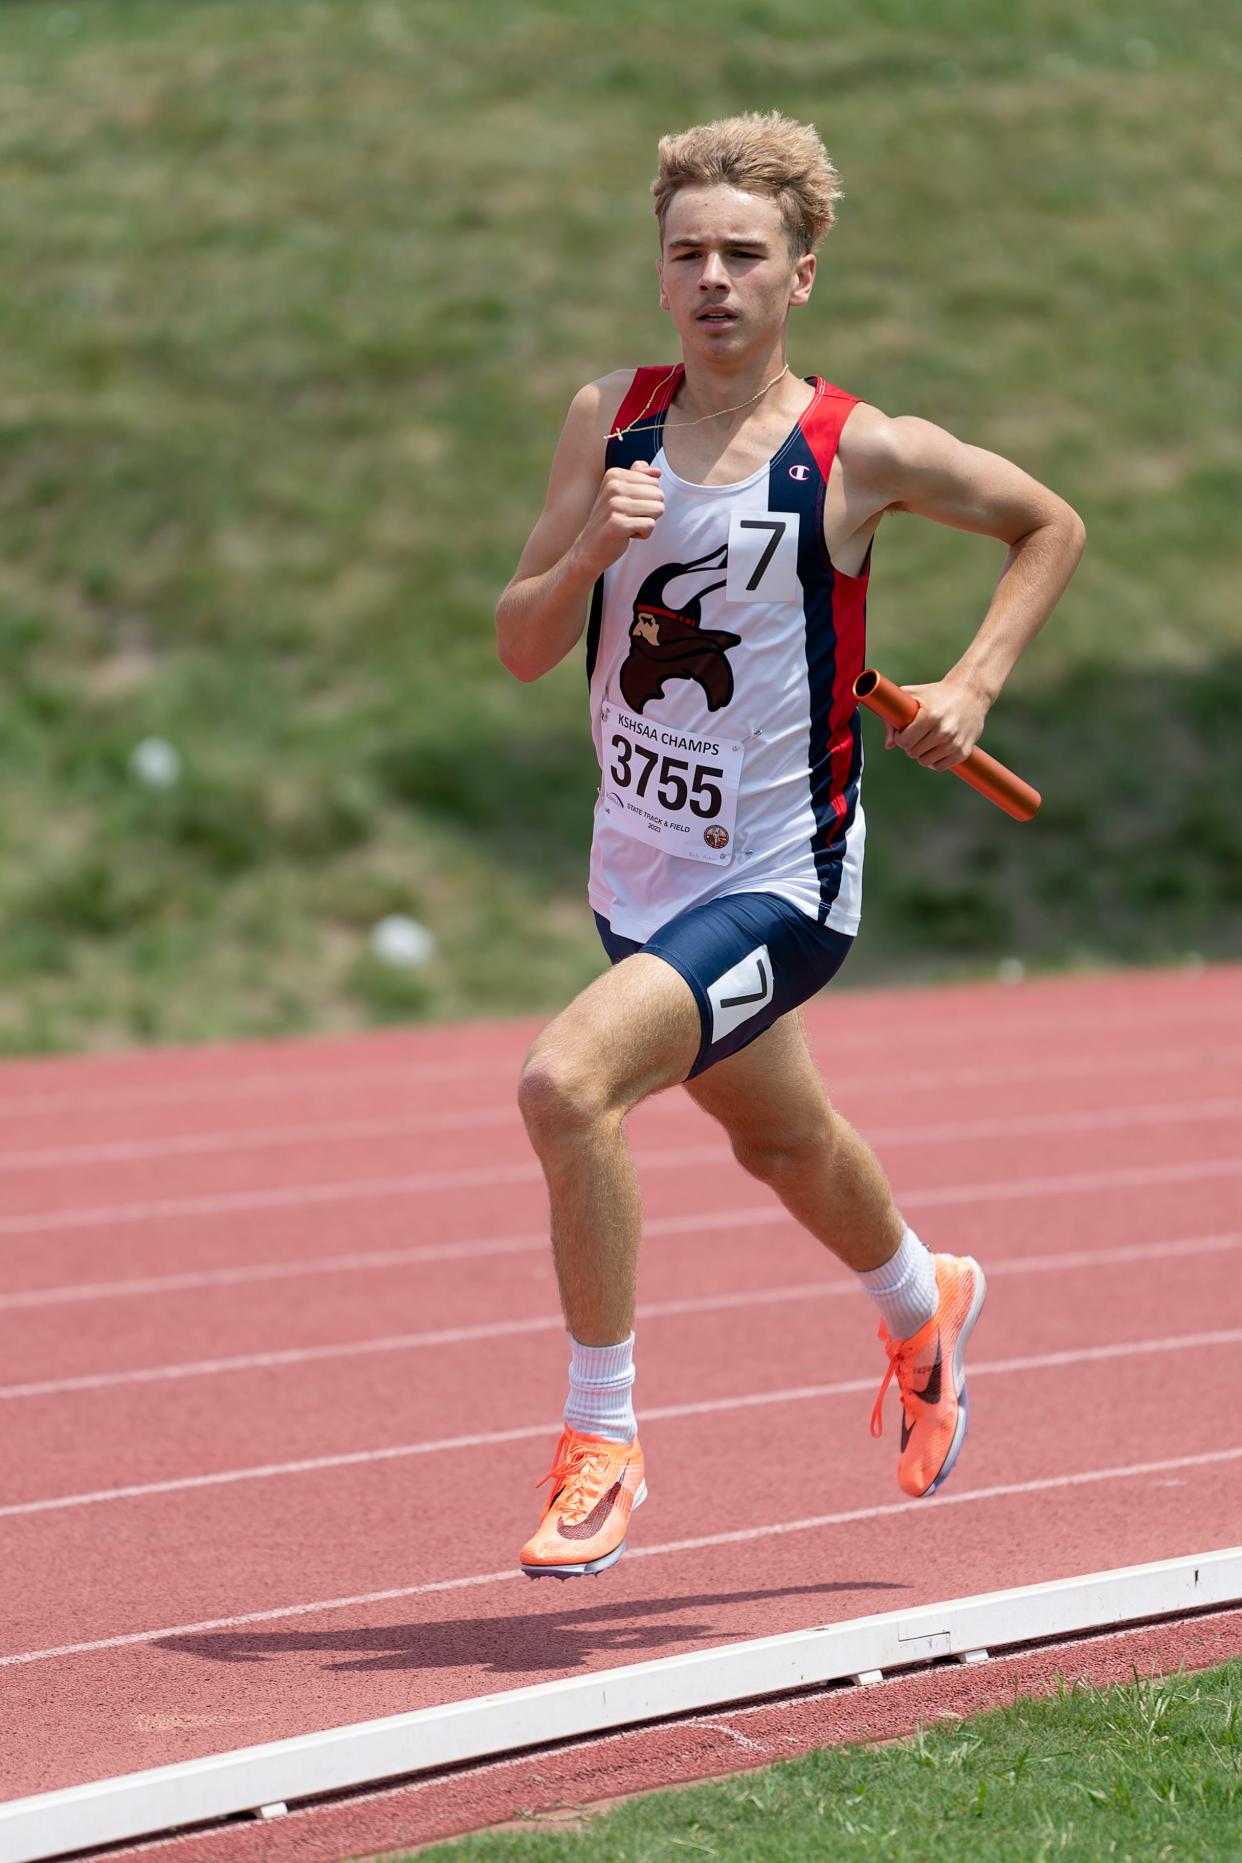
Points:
(595, 1484)
(932, 1379)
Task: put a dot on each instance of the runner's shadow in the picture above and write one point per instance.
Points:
(523, 1644)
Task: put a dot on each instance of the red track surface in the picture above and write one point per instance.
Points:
(253, 1300)
(558, 1785)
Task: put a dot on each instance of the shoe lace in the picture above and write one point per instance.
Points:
(898, 1361)
(578, 1475)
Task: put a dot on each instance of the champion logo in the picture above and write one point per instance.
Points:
(800, 473)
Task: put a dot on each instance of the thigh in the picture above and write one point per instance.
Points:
(770, 1094)
(749, 959)
(632, 1032)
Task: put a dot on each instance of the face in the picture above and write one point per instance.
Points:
(726, 275)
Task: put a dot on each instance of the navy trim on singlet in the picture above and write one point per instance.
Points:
(641, 442)
(595, 622)
(816, 574)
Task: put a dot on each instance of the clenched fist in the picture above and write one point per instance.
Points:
(629, 504)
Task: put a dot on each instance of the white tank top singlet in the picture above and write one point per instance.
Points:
(721, 658)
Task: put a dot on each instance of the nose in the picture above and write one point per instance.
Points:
(713, 272)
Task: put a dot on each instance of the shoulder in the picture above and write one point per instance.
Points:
(594, 408)
(870, 440)
(879, 452)
(583, 444)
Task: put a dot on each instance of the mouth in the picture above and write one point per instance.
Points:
(716, 316)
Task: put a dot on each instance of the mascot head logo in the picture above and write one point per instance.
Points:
(666, 641)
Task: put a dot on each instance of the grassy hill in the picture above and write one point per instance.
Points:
(295, 298)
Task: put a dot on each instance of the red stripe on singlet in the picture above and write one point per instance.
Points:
(648, 394)
(849, 598)
(822, 425)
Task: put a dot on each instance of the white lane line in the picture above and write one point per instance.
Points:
(358, 1190)
(376, 1260)
(341, 1075)
(305, 1265)
(963, 1497)
(396, 1342)
(346, 1190)
(702, 1407)
(1128, 1177)
(1111, 1119)
(242, 1084)
(271, 1138)
(256, 1138)
(345, 1078)
(1002, 1491)
(547, 1322)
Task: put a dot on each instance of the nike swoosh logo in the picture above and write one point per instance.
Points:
(588, 1528)
(735, 1002)
(930, 1394)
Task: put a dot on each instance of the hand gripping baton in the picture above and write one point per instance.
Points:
(991, 779)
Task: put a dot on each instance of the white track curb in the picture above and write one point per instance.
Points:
(260, 1779)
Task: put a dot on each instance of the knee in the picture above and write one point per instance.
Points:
(559, 1096)
(771, 1156)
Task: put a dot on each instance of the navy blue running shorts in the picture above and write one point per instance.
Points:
(748, 958)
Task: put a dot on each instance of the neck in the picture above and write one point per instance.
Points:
(709, 386)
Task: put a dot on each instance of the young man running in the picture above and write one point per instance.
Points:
(717, 515)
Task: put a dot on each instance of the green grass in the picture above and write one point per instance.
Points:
(1146, 1771)
(295, 298)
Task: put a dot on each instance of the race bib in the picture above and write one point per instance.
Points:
(763, 557)
(670, 788)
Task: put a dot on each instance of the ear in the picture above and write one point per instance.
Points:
(804, 278)
(664, 303)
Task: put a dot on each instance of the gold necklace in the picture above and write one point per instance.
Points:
(619, 433)
(716, 412)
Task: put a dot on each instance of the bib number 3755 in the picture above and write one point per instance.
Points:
(669, 788)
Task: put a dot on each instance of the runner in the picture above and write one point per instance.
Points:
(717, 515)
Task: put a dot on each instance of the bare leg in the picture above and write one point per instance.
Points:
(772, 1103)
(632, 1032)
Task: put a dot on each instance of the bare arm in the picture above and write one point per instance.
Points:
(911, 465)
(587, 522)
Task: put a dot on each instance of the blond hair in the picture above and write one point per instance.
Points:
(761, 152)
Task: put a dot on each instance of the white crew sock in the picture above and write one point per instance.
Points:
(600, 1380)
(904, 1287)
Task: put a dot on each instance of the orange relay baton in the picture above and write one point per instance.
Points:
(991, 779)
